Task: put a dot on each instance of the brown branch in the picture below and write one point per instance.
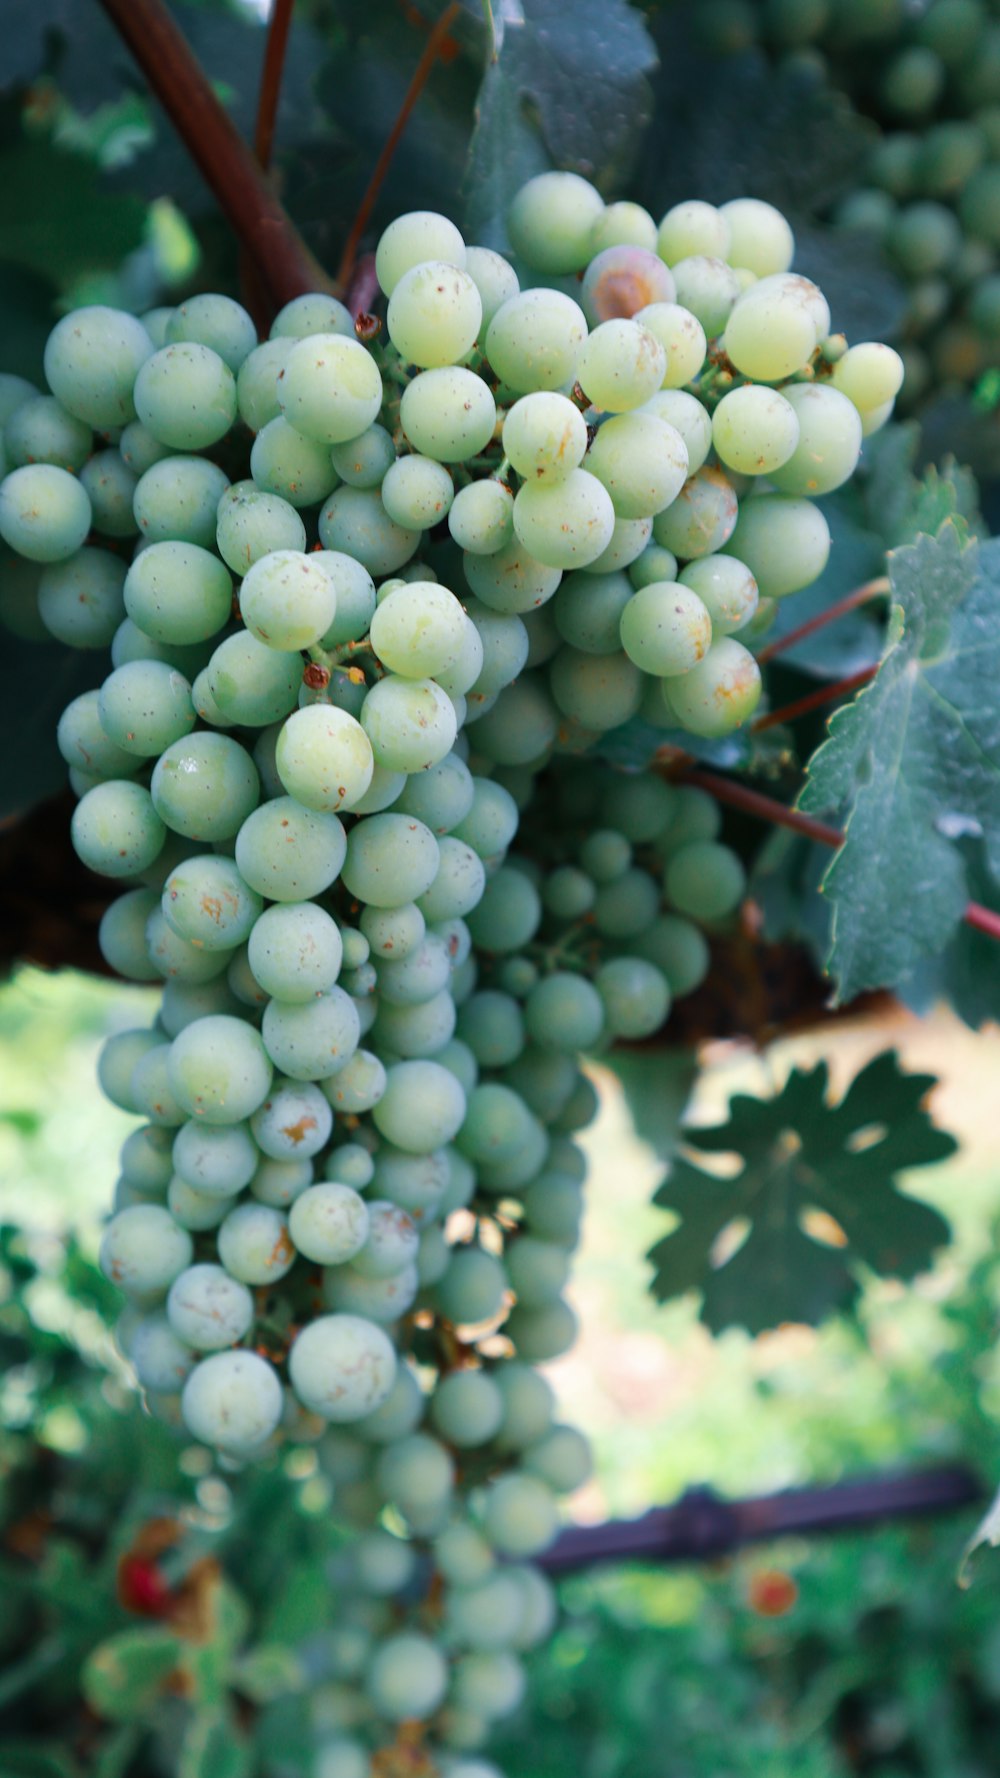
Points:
(284, 262)
(871, 590)
(270, 80)
(421, 74)
(814, 700)
(766, 808)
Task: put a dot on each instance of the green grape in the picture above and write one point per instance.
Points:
(977, 206)
(655, 563)
(382, 791)
(45, 513)
(705, 879)
(219, 1069)
(635, 996)
(295, 951)
(207, 902)
(709, 289)
(407, 1677)
(218, 1160)
(702, 518)
(720, 693)
(413, 239)
(390, 860)
(600, 691)
(41, 431)
(755, 430)
(621, 280)
(793, 287)
(492, 1025)
(869, 375)
(192, 1210)
(185, 395)
(491, 823)
(251, 683)
(418, 631)
(13, 391)
(81, 601)
(215, 321)
(394, 933)
(175, 957)
(623, 225)
(116, 1064)
(116, 830)
(682, 337)
(467, 1408)
(355, 522)
(143, 1250)
(925, 237)
(687, 416)
(520, 725)
(624, 908)
(144, 706)
(391, 1243)
(513, 579)
(893, 164)
(769, 334)
(565, 526)
(564, 1012)
(726, 588)
(950, 153)
(122, 935)
(374, 1299)
(520, 1516)
(605, 854)
(759, 237)
(293, 1123)
(139, 450)
(288, 600)
(350, 1164)
(92, 359)
(829, 442)
(487, 1614)
(324, 758)
(330, 388)
(481, 517)
(178, 593)
(678, 949)
(534, 341)
(545, 437)
(869, 211)
(232, 1400)
(504, 641)
(587, 609)
(693, 228)
(785, 543)
(562, 1459)
(434, 314)
(205, 786)
(316, 312)
(441, 797)
(208, 1310)
(538, 1270)
(421, 1108)
(298, 469)
(410, 723)
(257, 383)
(550, 221)
(364, 461)
(355, 593)
(495, 280)
(159, 1360)
(417, 492)
(472, 1289)
(176, 500)
(279, 1183)
(459, 884)
(621, 365)
(250, 524)
(449, 413)
(641, 460)
(289, 853)
(540, 1335)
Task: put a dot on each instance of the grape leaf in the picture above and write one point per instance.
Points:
(801, 1155)
(915, 760)
(47, 195)
(966, 973)
(533, 112)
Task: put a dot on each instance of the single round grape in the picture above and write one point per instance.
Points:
(769, 334)
(41, 431)
(641, 460)
(192, 1209)
(390, 860)
(466, 1408)
(341, 1367)
(509, 914)
(520, 725)
(449, 413)
(689, 418)
(257, 383)
(513, 579)
(80, 600)
(620, 280)
(545, 437)
(472, 1289)
(755, 430)
(434, 314)
(110, 487)
(682, 337)
(720, 693)
(122, 935)
(295, 951)
(45, 513)
(727, 589)
(215, 321)
(254, 1244)
(666, 629)
(564, 1012)
(830, 432)
(205, 787)
(441, 797)
(520, 1516)
(233, 1401)
(358, 1085)
(324, 758)
(383, 789)
(329, 1223)
(486, 1615)
(294, 1122)
(206, 901)
(364, 461)
(311, 1041)
(759, 237)
(458, 886)
(422, 1106)
(538, 1270)
(785, 543)
(565, 526)
(279, 1183)
(624, 908)
(540, 1335)
(418, 631)
(621, 365)
(219, 1069)
(92, 358)
(350, 1164)
(391, 1242)
(562, 1458)
(144, 706)
(315, 312)
(176, 500)
(209, 1310)
(481, 517)
(250, 524)
(185, 395)
(410, 723)
(709, 289)
(178, 592)
(678, 949)
(417, 492)
(330, 388)
(623, 225)
(702, 518)
(705, 879)
(116, 1064)
(693, 228)
(601, 691)
(355, 522)
(286, 463)
(495, 280)
(635, 995)
(177, 958)
(218, 1160)
(413, 238)
(550, 221)
(143, 1250)
(116, 830)
(289, 853)
(407, 1677)
(287, 600)
(129, 643)
(393, 932)
(160, 1361)
(535, 340)
(869, 375)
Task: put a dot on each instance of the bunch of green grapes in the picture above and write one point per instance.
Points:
(930, 75)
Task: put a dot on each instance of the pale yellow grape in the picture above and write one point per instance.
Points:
(551, 219)
(410, 240)
(719, 694)
(869, 375)
(682, 337)
(693, 227)
(759, 237)
(324, 758)
(545, 437)
(830, 432)
(567, 526)
(621, 365)
(434, 315)
(754, 430)
(769, 335)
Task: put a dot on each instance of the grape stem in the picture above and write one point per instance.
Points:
(751, 802)
(421, 74)
(270, 81)
(814, 700)
(285, 266)
(872, 589)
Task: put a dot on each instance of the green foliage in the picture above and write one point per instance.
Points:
(800, 1155)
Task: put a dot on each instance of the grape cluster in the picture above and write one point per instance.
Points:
(348, 1211)
(930, 75)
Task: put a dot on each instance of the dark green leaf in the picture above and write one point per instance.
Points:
(900, 504)
(122, 1676)
(213, 1747)
(637, 743)
(47, 196)
(967, 972)
(536, 108)
(799, 1154)
(915, 760)
(657, 1086)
